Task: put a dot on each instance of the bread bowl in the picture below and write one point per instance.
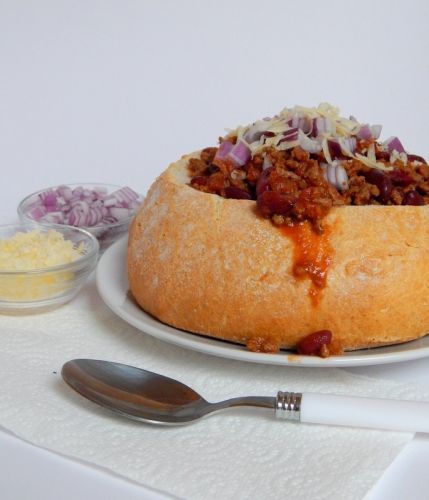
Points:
(217, 267)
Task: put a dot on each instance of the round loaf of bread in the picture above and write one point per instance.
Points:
(214, 266)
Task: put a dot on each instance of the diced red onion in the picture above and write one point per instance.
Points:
(240, 154)
(364, 132)
(54, 217)
(123, 197)
(342, 178)
(376, 131)
(348, 144)
(336, 175)
(267, 163)
(48, 198)
(223, 150)
(119, 213)
(394, 144)
(37, 212)
(290, 135)
(65, 192)
(82, 207)
(309, 145)
(322, 125)
(302, 122)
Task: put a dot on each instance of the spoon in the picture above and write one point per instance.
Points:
(149, 397)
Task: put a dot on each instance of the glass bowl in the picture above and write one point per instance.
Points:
(106, 232)
(34, 290)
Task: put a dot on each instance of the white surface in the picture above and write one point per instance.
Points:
(32, 473)
(88, 90)
(112, 285)
(225, 455)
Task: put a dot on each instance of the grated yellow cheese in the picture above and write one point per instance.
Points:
(36, 250)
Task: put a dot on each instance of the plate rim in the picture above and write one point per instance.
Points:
(220, 348)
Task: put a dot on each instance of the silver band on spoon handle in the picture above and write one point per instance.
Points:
(288, 405)
(350, 411)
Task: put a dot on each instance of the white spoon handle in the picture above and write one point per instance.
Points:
(387, 414)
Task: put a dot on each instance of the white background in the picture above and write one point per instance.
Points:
(112, 91)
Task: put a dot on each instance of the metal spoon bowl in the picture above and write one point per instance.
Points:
(145, 396)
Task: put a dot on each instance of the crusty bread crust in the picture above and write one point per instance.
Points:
(214, 266)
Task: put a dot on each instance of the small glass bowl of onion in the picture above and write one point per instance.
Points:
(104, 210)
(41, 267)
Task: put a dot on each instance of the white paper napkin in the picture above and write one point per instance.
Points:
(237, 454)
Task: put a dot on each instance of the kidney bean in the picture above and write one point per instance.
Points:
(400, 178)
(382, 181)
(274, 203)
(413, 198)
(237, 193)
(262, 183)
(199, 180)
(311, 344)
(334, 149)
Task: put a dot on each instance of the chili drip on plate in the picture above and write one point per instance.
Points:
(299, 164)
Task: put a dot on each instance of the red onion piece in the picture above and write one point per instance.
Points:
(224, 148)
(336, 175)
(376, 131)
(240, 154)
(54, 217)
(37, 212)
(119, 213)
(48, 198)
(290, 135)
(65, 192)
(365, 133)
(394, 144)
(302, 122)
(347, 144)
(322, 125)
(125, 196)
(309, 145)
(267, 163)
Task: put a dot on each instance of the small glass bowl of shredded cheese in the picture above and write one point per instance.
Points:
(41, 267)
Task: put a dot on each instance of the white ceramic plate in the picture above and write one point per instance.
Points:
(112, 285)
